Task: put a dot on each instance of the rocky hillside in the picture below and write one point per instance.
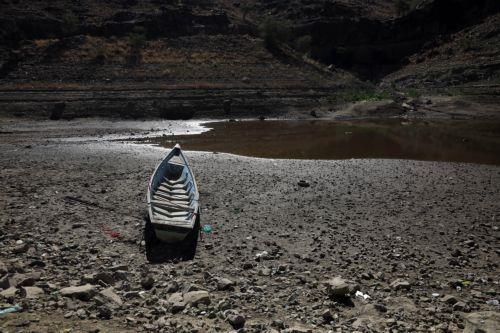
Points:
(185, 58)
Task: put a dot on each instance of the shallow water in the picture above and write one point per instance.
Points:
(457, 141)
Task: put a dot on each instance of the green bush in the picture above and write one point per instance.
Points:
(350, 96)
(274, 32)
(137, 40)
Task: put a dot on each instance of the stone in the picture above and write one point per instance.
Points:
(194, 298)
(224, 284)
(178, 307)
(21, 248)
(3, 268)
(111, 296)
(461, 307)
(31, 292)
(449, 299)
(172, 287)
(400, 284)
(4, 282)
(337, 287)
(483, 322)
(104, 312)
(327, 315)
(105, 277)
(24, 280)
(247, 265)
(9, 292)
(175, 298)
(147, 282)
(380, 307)
(81, 313)
(84, 293)
(237, 321)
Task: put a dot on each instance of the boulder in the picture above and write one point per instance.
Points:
(399, 284)
(337, 287)
(224, 284)
(9, 292)
(4, 282)
(3, 268)
(84, 293)
(24, 280)
(110, 295)
(31, 292)
(194, 298)
(236, 320)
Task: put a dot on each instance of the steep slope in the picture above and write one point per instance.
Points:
(467, 62)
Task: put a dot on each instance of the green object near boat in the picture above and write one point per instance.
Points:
(207, 228)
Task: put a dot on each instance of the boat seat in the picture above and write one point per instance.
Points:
(169, 214)
(175, 187)
(171, 206)
(172, 192)
(159, 219)
(173, 198)
(180, 180)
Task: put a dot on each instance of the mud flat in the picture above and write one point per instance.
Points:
(421, 239)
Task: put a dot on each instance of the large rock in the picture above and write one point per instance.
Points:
(31, 292)
(194, 298)
(9, 292)
(224, 284)
(4, 282)
(482, 322)
(3, 268)
(399, 284)
(337, 287)
(24, 280)
(84, 293)
(110, 295)
(236, 320)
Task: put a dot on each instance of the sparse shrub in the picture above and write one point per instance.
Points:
(350, 96)
(414, 93)
(137, 41)
(274, 32)
(303, 44)
(70, 23)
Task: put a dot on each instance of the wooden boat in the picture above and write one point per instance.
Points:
(173, 200)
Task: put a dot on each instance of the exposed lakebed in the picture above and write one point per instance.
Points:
(455, 141)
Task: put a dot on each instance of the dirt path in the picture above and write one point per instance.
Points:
(406, 233)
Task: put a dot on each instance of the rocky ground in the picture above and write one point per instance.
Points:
(297, 246)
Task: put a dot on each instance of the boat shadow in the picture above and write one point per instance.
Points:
(158, 252)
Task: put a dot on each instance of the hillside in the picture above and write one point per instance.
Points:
(218, 58)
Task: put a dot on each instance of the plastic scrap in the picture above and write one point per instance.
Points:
(15, 308)
(261, 254)
(435, 295)
(492, 302)
(359, 294)
(207, 228)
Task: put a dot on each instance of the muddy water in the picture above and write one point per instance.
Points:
(457, 141)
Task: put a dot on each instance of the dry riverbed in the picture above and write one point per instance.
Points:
(365, 245)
